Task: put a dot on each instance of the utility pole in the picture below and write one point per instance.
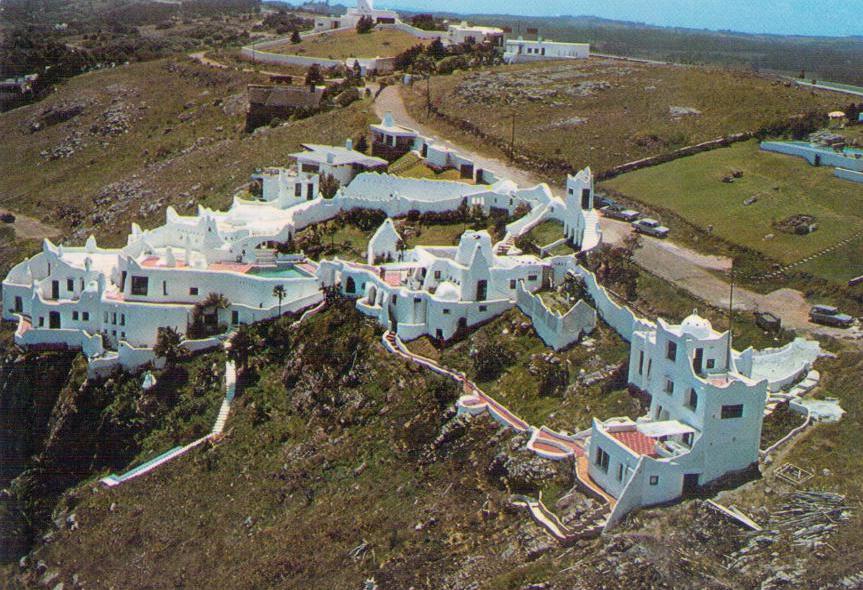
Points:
(730, 316)
(428, 94)
(512, 139)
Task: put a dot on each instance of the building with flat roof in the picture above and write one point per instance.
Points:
(522, 50)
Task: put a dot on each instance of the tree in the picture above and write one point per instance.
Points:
(365, 25)
(328, 186)
(314, 76)
(295, 37)
(168, 346)
(436, 49)
(357, 71)
(362, 144)
(243, 344)
(279, 293)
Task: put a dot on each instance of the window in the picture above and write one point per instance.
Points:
(298, 190)
(446, 311)
(654, 480)
(601, 459)
(640, 361)
(649, 366)
(531, 277)
(235, 317)
(711, 363)
(122, 319)
(85, 316)
(114, 318)
(483, 307)
(692, 400)
(105, 318)
(70, 284)
(164, 287)
(669, 386)
(620, 472)
(193, 290)
(41, 321)
(140, 285)
(122, 335)
(732, 411)
(75, 315)
(512, 283)
(671, 352)
(437, 274)
(19, 304)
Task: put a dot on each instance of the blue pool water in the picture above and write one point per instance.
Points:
(288, 271)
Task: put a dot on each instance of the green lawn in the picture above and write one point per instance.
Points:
(783, 185)
(383, 43)
(546, 232)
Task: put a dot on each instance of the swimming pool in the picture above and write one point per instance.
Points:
(287, 271)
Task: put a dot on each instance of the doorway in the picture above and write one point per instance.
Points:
(54, 320)
(690, 483)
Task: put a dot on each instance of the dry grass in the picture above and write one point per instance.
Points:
(602, 113)
(344, 44)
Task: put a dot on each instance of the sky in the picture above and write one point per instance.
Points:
(781, 17)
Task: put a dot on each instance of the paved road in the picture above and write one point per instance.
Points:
(697, 273)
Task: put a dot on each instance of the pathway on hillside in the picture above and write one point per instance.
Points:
(686, 268)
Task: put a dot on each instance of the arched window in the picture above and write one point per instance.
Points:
(350, 286)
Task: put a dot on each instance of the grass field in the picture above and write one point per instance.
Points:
(603, 112)
(784, 186)
(344, 44)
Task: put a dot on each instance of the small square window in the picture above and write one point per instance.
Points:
(732, 411)
(483, 307)
(75, 315)
(193, 290)
(711, 363)
(446, 312)
(531, 277)
(85, 315)
(512, 283)
(654, 480)
(437, 274)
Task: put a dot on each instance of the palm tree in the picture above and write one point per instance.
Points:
(279, 292)
(242, 345)
(168, 346)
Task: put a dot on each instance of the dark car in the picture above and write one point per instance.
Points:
(618, 212)
(651, 227)
(604, 201)
(829, 316)
(767, 321)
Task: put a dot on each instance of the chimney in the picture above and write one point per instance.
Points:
(331, 157)
(349, 144)
(388, 119)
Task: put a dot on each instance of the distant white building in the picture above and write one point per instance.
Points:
(523, 50)
(343, 163)
(465, 33)
(364, 8)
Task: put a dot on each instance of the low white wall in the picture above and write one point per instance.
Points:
(619, 317)
(851, 175)
(780, 366)
(556, 330)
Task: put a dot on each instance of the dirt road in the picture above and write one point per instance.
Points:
(29, 228)
(692, 271)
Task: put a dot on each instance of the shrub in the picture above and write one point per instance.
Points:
(490, 358)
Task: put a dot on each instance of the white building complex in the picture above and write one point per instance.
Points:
(465, 33)
(205, 273)
(522, 50)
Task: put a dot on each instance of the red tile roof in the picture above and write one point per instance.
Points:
(637, 442)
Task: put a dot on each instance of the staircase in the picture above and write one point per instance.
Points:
(265, 257)
(592, 234)
(503, 247)
(588, 526)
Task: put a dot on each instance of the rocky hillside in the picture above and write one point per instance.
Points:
(342, 465)
(118, 146)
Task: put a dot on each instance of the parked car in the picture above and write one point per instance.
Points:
(651, 227)
(829, 316)
(618, 212)
(604, 201)
(767, 321)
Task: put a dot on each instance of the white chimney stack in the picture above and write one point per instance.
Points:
(349, 144)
